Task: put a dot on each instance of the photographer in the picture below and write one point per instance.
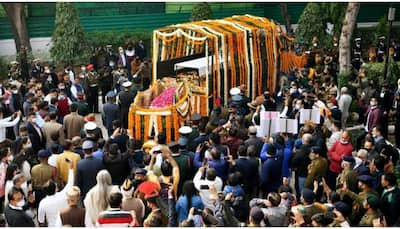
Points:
(203, 180)
(272, 209)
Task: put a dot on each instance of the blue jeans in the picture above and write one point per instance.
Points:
(302, 181)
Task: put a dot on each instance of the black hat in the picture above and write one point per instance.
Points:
(141, 171)
(173, 144)
(308, 195)
(373, 201)
(366, 179)
(44, 153)
(195, 117)
(343, 208)
(316, 149)
(349, 159)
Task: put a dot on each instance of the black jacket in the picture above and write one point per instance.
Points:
(117, 165)
(87, 170)
(17, 218)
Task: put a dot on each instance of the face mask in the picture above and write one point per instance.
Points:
(372, 104)
(344, 142)
(298, 107)
(311, 156)
(34, 120)
(382, 94)
(61, 87)
(29, 145)
(61, 97)
(83, 69)
(292, 90)
(315, 44)
(21, 203)
(112, 64)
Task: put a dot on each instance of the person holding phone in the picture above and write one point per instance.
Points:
(203, 184)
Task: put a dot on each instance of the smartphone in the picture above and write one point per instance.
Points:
(204, 187)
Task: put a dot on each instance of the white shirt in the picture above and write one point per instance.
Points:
(50, 206)
(4, 123)
(53, 160)
(205, 193)
(71, 76)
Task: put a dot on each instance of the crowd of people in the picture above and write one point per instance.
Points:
(58, 168)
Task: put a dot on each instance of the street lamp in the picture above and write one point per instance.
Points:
(391, 16)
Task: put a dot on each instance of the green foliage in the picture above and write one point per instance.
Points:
(313, 22)
(375, 72)
(116, 39)
(69, 43)
(382, 29)
(201, 11)
(343, 79)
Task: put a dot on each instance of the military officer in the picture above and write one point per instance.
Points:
(125, 99)
(93, 89)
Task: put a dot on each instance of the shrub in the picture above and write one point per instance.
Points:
(375, 72)
(118, 38)
(201, 11)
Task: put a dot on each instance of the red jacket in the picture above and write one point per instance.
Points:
(336, 154)
(374, 118)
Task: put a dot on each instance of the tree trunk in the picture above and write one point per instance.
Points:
(286, 18)
(16, 16)
(345, 37)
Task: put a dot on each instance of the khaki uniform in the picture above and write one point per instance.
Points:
(317, 167)
(41, 173)
(366, 220)
(350, 177)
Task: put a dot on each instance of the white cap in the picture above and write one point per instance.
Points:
(13, 62)
(127, 84)
(185, 130)
(234, 91)
(90, 126)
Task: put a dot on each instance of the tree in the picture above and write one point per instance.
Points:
(382, 28)
(201, 11)
(286, 18)
(16, 16)
(345, 37)
(68, 41)
(311, 23)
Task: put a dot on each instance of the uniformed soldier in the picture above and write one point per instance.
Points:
(93, 89)
(348, 175)
(195, 120)
(371, 204)
(37, 69)
(125, 99)
(15, 71)
(365, 185)
(91, 131)
(317, 168)
(381, 49)
(357, 53)
(120, 75)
